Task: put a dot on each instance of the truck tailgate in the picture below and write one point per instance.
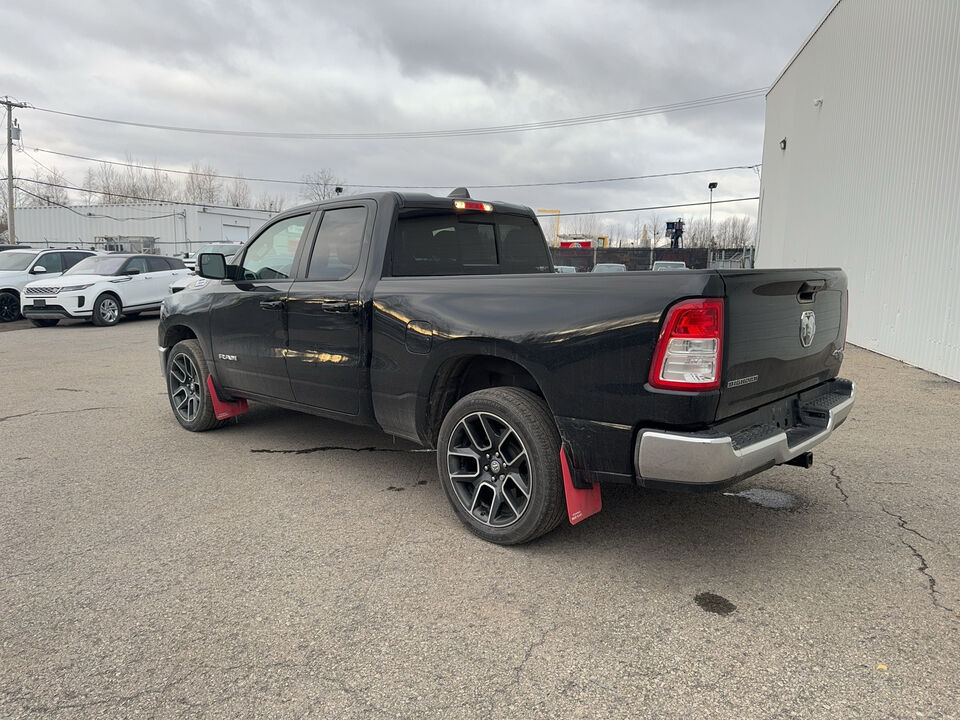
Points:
(784, 333)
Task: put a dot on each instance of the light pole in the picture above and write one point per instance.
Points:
(711, 187)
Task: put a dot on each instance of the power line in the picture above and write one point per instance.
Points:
(652, 207)
(567, 214)
(405, 187)
(94, 215)
(133, 197)
(418, 134)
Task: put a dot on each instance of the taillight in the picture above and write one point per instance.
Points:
(689, 349)
(472, 205)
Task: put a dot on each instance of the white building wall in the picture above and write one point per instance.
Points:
(178, 228)
(870, 178)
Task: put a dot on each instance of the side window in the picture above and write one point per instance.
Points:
(443, 245)
(53, 262)
(72, 258)
(137, 263)
(157, 264)
(336, 252)
(271, 255)
(522, 249)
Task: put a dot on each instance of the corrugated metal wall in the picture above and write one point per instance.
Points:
(870, 178)
(178, 228)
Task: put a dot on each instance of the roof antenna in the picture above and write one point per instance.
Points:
(460, 192)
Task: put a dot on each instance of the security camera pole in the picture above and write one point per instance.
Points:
(11, 234)
(711, 187)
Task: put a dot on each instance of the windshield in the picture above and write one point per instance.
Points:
(16, 259)
(98, 265)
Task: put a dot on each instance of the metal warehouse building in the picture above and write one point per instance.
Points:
(144, 227)
(861, 169)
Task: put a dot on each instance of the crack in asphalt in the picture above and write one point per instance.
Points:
(59, 412)
(328, 448)
(121, 699)
(931, 580)
(903, 525)
(11, 417)
(838, 484)
(518, 669)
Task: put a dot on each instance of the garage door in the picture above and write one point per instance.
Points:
(234, 233)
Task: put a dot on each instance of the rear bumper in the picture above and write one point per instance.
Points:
(734, 451)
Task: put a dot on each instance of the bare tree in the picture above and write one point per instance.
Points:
(237, 193)
(46, 191)
(319, 185)
(203, 185)
(657, 228)
(266, 201)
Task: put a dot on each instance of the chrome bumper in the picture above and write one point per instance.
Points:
(693, 459)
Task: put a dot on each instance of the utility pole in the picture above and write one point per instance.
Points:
(11, 234)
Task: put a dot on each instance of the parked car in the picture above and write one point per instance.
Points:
(440, 320)
(19, 266)
(5, 246)
(223, 248)
(101, 289)
(564, 268)
(668, 265)
(609, 267)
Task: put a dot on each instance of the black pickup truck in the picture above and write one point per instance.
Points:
(440, 320)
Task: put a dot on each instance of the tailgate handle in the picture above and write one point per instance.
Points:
(808, 291)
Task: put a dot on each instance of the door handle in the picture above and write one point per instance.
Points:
(335, 306)
(271, 304)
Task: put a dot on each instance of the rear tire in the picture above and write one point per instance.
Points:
(9, 306)
(44, 322)
(187, 388)
(498, 456)
(106, 310)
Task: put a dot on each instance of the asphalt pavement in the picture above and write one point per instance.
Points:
(290, 566)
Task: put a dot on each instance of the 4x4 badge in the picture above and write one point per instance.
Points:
(808, 328)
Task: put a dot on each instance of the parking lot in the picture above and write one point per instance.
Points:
(290, 566)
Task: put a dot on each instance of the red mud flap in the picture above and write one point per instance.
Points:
(224, 409)
(581, 504)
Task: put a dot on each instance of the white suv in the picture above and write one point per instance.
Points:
(20, 266)
(101, 289)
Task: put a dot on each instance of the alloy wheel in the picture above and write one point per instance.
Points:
(489, 469)
(185, 389)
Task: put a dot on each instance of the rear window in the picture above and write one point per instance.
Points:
(431, 242)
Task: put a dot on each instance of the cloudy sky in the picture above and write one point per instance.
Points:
(378, 67)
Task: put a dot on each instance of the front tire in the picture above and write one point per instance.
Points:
(44, 322)
(9, 307)
(498, 455)
(187, 388)
(106, 310)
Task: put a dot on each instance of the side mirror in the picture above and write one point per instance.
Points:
(212, 266)
(131, 271)
(38, 270)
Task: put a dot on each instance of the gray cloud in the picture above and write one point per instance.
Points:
(368, 67)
